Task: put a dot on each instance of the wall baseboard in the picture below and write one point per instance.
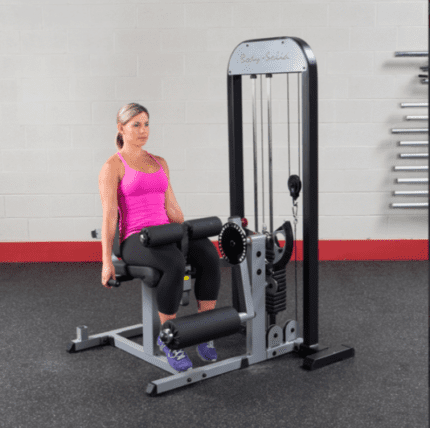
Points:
(352, 250)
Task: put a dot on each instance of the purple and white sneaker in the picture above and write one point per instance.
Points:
(206, 351)
(177, 359)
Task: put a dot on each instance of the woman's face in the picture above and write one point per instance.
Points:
(137, 129)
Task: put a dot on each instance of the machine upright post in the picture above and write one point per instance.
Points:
(235, 132)
(310, 203)
(237, 197)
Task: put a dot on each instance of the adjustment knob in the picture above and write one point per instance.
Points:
(232, 243)
(166, 336)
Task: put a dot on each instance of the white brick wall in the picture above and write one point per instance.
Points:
(68, 66)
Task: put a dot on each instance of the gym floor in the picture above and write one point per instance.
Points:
(379, 308)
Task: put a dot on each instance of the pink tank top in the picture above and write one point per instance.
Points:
(141, 199)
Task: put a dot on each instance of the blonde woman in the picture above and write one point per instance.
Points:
(137, 185)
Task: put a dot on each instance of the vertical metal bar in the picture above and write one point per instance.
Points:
(288, 123)
(237, 202)
(234, 97)
(262, 143)
(254, 138)
(150, 320)
(310, 203)
(428, 227)
(298, 119)
(269, 124)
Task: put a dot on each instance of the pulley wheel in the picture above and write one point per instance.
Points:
(294, 185)
(232, 243)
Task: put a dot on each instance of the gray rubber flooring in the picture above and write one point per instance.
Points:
(379, 308)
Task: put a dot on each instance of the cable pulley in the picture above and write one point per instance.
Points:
(294, 186)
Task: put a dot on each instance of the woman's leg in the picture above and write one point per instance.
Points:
(203, 255)
(169, 260)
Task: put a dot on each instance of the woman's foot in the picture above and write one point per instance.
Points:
(206, 351)
(177, 359)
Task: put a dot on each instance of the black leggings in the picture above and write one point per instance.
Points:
(170, 261)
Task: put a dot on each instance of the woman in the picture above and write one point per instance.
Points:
(137, 184)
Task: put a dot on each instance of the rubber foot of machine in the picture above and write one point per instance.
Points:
(71, 349)
(151, 390)
(322, 356)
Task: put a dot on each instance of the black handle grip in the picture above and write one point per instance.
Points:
(114, 283)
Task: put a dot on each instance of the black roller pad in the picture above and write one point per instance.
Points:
(203, 327)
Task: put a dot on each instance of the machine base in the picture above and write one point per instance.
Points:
(320, 356)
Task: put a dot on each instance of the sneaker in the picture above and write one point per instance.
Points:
(206, 351)
(177, 359)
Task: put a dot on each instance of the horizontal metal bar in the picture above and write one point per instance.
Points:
(411, 193)
(417, 118)
(405, 105)
(411, 53)
(412, 180)
(413, 155)
(411, 168)
(416, 205)
(425, 81)
(138, 351)
(413, 143)
(198, 374)
(410, 131)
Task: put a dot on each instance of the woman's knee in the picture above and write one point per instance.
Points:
(202, 252)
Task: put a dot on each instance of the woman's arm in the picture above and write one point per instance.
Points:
(173, 209)
(108, 185)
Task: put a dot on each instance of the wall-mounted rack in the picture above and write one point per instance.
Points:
(413, 157)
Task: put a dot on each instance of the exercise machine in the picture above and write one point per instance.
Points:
(257, 260)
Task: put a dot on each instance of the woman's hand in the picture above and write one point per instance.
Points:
(108, 272)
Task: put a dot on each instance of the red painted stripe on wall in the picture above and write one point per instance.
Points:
(37, 252)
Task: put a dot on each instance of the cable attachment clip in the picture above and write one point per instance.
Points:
(295, 212)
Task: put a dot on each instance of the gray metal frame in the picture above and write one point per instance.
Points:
(258, 349)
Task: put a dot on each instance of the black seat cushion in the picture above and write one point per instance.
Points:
(149, 275)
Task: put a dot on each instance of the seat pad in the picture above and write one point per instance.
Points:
(149, 275)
